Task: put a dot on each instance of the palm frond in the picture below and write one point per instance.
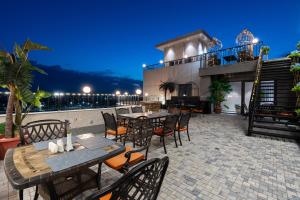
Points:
(29, 46)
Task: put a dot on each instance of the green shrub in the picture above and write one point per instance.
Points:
(294, 54)
(295, 67)
(296, 88)
(297, 111)
(265, 50)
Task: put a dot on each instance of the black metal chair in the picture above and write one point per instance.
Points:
(143, 182)
(112, 128)
(167, 128)
(183, 125)
(137, 109)
(71, 184)
(41, 130)
(120, 120)
(140, 135)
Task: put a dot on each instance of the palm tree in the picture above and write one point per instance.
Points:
(16, 75)
(167, 86)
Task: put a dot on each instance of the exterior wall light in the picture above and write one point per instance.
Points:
(86, 89)
(138, 91)
(146, 94)
(255, 40)
(185, 56)
(161, 61)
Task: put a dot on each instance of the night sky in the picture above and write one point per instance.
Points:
(118, 36)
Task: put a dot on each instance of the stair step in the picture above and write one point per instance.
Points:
(275, 128)
(289, 136)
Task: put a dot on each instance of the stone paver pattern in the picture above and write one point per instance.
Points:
(219, 162)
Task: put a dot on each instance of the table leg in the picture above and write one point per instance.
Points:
(99, 176)
(21, 194)
(52, 192)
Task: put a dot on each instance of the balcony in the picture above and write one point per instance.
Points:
(228, 56)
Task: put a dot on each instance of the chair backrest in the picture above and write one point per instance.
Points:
(142, 182)
(109, 121)
(122, 111)
(173, 110)
(137, 109)
(184, 120)
(170, 122)
(43, 130)
(140, 131)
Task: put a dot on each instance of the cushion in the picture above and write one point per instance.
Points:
(181, 129)
(160, 132)
(106, 197)
(118, 161)
(121, 131)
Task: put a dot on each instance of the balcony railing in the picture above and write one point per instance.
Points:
(75, 101)
(226, 56)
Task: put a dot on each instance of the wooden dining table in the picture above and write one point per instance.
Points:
(33, 164)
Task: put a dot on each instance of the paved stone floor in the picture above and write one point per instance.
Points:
(219, 163)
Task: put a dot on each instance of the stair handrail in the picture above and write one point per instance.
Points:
(254, 92)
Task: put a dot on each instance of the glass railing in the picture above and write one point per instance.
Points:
(237, 54)
(75, 101)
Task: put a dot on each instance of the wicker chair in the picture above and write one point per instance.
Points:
(112, 128)
(137, 109)
(120, 120)
(183, 125)
(167, 128)
(140, 135)
(143, 182)
(44, 130)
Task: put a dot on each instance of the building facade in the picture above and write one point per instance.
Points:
(191, 64)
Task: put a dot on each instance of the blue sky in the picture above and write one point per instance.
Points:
(119, 35)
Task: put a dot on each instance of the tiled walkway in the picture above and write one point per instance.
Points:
(219, 163)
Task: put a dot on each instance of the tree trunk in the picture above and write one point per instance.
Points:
(18, 111)
(9, 113)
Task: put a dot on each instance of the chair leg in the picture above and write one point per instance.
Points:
(21, 194)
(99, 176)
(179, 137)
(36, 195)
(163, 140)
(187, 132)
(174, 133)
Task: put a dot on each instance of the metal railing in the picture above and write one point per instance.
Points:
(75, 101)
(230, 55)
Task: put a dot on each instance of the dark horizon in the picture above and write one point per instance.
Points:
(119, 36)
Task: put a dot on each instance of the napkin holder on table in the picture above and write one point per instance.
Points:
(52, 147)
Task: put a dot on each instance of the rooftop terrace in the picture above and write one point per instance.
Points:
(220, 162)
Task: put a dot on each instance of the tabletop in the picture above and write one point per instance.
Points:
(33, 164)
(153, 115)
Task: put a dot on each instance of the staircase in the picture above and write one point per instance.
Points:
(272, 103)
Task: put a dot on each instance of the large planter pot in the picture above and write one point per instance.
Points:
(6, 143)
(217, 109)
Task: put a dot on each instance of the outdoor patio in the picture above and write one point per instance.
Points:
(219, 163)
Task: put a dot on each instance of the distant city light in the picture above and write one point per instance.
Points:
(161, 61)
(56, 94)
(146, 94)
(61, 94)
(138, 91)
(126, 93)
(255, 40)
(86, 89)
(144, 65)
(118, 92)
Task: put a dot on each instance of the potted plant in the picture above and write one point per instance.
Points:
(295, 55)
(218, 90)
(265, 51)
(16, 75)
(2, 130)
